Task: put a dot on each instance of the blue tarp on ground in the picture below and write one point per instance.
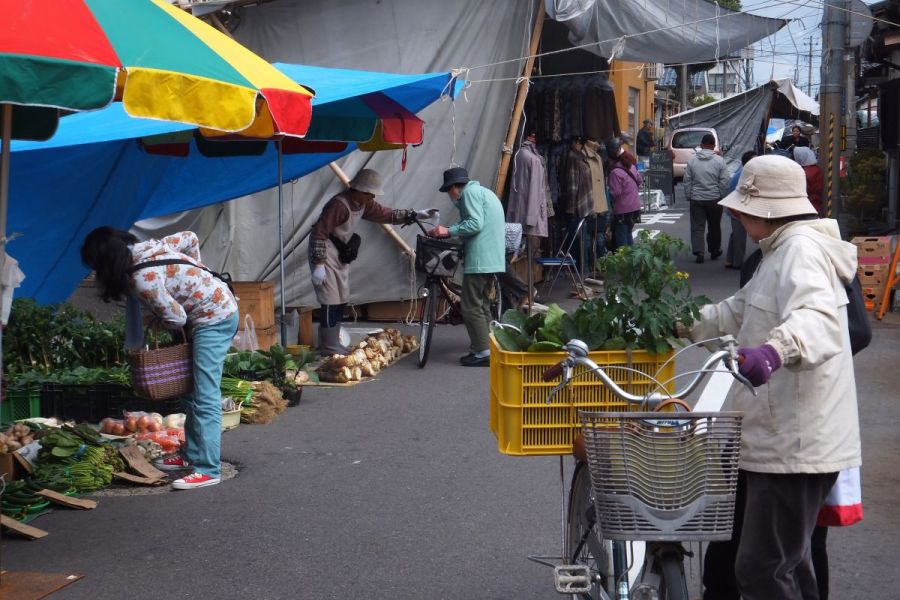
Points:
(93, 172)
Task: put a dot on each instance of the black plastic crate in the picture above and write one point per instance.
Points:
(93, 403)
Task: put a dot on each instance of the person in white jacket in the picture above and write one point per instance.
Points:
(791, 323)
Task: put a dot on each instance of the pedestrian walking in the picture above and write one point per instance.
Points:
(705, 183)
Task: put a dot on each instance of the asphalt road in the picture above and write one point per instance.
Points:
(394, 489)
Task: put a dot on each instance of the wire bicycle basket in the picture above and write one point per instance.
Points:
(437, 257)
(663, 476)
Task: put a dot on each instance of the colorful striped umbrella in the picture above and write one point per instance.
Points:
(161, 62)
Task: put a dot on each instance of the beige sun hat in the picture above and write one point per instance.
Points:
(368, 181)
(770, 187)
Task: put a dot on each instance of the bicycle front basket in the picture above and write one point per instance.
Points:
(436, 257)
(663, 476)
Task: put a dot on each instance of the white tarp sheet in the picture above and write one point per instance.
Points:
(400, 36)
(667, 31)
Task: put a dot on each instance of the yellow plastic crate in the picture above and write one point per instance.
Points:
(526, 425)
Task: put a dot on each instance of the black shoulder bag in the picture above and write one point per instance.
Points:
(857, 318)
(223, 277)
(349, 251)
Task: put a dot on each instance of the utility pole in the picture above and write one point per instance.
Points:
(685, 87)
(809, 74)
(835, 20)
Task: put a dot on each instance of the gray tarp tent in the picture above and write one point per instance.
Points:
(669, 31)
(740, 121)
(400, 36)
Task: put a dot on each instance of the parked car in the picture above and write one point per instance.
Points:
(683, 144)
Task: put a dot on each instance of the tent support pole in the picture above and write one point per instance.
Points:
(281, 240)
(5, 148)
(404, 247)
(521, 94)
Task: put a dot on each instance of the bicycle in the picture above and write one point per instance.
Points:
(438, 259)
(659, 477)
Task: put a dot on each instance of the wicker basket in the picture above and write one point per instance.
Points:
(162, 373)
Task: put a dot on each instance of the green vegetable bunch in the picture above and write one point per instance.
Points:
(644, 296)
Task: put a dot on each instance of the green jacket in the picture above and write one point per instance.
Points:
(482, 227)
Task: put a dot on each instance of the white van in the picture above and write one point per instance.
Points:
(684, 143)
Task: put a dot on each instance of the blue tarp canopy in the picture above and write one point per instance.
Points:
(94, 171)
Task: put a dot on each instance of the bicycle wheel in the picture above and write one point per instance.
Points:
(673, 585)
(426, 326)
(584, 544)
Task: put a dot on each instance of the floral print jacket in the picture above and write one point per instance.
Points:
(180, 294)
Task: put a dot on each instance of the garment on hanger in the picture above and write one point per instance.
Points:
(528, 194)
(598, 178)
(576, 197)
(600, 119)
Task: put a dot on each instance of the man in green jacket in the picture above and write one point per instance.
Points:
(482, 227)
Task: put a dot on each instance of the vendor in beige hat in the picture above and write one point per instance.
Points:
(802, 427)
(333, 245)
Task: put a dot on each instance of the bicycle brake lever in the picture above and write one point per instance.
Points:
(566, 378)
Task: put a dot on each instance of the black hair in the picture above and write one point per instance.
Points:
(708, 139)
(797, 127)
(785, 220)
(746, 156)
(105, 250)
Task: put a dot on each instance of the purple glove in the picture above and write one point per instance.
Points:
(758, 364)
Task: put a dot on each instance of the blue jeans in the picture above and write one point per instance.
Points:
(203, 426)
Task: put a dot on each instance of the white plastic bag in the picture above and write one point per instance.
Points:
(292, 320)
(246, 338)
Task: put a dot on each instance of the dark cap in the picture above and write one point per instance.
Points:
(454, 176)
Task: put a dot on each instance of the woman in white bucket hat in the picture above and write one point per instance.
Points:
(333, 245)
(791, 323)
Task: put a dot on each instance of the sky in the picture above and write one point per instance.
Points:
(786, 54)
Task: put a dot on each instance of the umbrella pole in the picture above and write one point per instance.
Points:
(5, 146)
(281, 240)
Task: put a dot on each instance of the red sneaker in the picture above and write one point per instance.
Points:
(171, 463)
(195, 480)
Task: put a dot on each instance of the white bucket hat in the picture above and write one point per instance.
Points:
(770, 187)
(368, 181)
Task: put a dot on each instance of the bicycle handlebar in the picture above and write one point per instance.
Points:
(577, 354)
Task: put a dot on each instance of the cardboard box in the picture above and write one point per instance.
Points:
(13, 466)
(257, 299)
(872, 276)
(872, 246)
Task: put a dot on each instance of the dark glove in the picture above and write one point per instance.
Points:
(757, 363)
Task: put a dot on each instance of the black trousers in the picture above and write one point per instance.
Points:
(770, 554)
(706, 217)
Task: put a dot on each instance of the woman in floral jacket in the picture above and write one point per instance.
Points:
(184, 294)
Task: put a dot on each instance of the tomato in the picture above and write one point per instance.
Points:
(131, 424)
(154, 426)
(118, 429)
(143, 423)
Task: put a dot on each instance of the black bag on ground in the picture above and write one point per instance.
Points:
(349, 251)
(858, 323)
